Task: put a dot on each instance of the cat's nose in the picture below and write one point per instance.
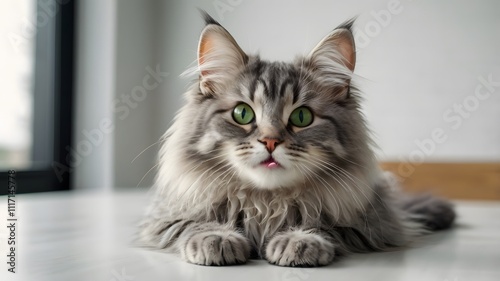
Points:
(270, 143)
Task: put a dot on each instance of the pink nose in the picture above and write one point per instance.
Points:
(270, 144)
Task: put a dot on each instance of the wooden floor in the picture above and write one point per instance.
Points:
(471, 181)
(87, 236)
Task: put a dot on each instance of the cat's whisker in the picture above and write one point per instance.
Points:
(206, 160)
(356, 184)
(352, 162)
(337, 176)
(311, 181)
(308, 174)
(351, 176)
(145, 150)
(203, 174)
(216, 178)
(329, 188)
(341, 182)
(208, 186)
(357, 181)
(143, 177)
(210, 169)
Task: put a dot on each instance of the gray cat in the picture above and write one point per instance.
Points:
(273, 160)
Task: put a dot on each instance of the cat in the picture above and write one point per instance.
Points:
(274, 160)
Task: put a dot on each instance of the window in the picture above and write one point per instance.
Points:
(16, 108)
(37, 99)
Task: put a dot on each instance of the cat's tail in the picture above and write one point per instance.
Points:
(433, 212)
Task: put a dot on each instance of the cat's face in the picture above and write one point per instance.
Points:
(274, 124)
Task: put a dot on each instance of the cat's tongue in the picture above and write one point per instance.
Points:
(270, 163)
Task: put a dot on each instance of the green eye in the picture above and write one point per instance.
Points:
(301, 117)
(243, 114)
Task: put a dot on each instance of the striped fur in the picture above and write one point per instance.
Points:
(215, 205)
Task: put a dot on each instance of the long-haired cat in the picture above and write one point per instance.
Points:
(273, 160)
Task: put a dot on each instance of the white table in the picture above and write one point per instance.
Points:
(86, 236)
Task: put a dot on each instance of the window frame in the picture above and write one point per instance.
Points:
(53, 103)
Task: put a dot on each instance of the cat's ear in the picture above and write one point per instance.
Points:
(219, 57)
(335, 56)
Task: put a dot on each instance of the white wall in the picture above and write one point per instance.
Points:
(116, 45)
(137, 91)
(413, 68)
(92, 152)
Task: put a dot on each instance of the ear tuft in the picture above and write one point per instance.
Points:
(219, 57)
(335, 55)
(208, 18)
(347, 24)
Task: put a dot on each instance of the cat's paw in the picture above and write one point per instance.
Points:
(299, 248)
(216, 248)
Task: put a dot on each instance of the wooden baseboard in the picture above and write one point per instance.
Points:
(473, 181)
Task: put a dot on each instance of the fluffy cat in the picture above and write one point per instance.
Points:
(273, 160)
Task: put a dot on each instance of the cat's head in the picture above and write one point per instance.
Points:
(275, 124)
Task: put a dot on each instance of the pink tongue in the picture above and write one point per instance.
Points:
(272, 164)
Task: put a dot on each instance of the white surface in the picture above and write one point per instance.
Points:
(86, 236)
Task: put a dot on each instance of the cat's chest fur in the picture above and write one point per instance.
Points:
(262, 213)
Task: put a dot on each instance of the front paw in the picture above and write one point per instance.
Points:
(216, 248)
(299, 248)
